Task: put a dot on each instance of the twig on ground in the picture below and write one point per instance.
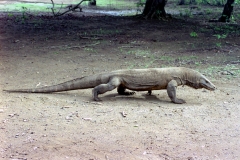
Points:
(88, 45)
(53, 8)
(69, 9)
(92, 38)
(87, 119)
(105, 111)
(123, 114)
(70, 47)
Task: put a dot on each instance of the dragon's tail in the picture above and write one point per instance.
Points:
(79, 83)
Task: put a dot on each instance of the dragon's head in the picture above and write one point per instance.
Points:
(205, 83)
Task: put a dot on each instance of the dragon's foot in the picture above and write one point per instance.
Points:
(179, 101)
(97, 99)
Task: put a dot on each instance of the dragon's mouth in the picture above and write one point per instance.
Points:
(211, 88)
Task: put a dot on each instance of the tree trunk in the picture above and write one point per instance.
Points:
(154, 8)
(92, 3)
(182, 2)
(227, 11)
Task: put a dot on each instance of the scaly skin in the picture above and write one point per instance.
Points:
(134, 79)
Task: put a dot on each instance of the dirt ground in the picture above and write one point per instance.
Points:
(37, 51)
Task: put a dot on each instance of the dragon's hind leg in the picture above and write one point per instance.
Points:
(102, 88)
(122, 91)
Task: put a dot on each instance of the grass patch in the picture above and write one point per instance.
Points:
(20, 7)
(46, 7)
(228, 71)
(167, 58)
(226, 29)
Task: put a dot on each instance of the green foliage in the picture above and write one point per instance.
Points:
(188, 13)
(188, 59)
(237, 2)
(10, 15)
(235, 72)
(193, 34)
(141, 3)
(226, 29)
(237, 16)
(212, 2)
(24, 10)
(22, 18)
(219, 36)
(219, 44)
(208, 11)
(20, 6)
(167, 58)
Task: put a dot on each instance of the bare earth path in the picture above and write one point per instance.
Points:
(41, 50)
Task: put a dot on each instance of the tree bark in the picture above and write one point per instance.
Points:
(93, 2)
(154, 8)
(227, 11)
(182, 2)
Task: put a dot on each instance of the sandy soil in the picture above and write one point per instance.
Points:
(39, 50)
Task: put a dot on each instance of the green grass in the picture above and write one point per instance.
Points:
(116, 4)
(18, 6)
(166, 58)
(213, 70)
(45, 7)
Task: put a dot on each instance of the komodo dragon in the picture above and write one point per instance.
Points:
(133, 79)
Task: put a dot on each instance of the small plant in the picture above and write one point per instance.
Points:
(238, 16)
(226, 29)
(219, 36)
(233, 18)
(89, 49)
(150, 62)
(197, 63)
(188, 13)
(166, 58)
(10, 15)
(193, 34)
(131, 66)
(208, 11)
(140, 5)
(24, 10)
(219, 44)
